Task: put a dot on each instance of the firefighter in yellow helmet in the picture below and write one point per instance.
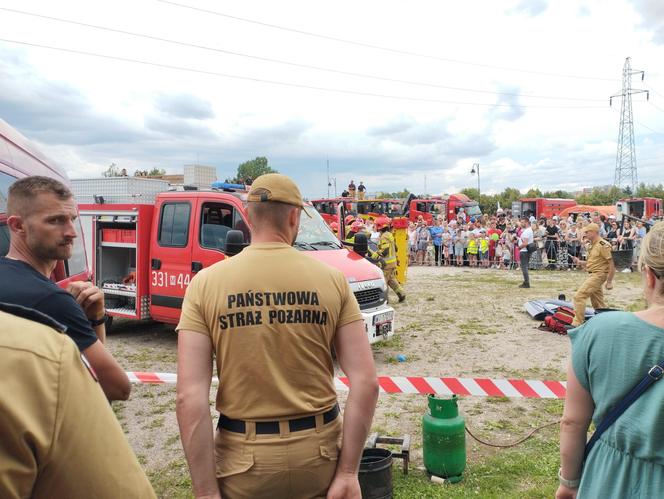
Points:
(387, 251)
(355, 227)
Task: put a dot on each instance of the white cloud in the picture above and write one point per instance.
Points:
(652, 15)
(531, 7)
(88, 112)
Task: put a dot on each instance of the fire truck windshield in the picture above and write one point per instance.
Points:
(315, 233)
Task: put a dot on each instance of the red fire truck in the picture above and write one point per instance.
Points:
(20, 158)
(639, 208)
(328, 207)
(373, 208)
(365, 208)
(541, 207)
(145, 255)
(448, 206)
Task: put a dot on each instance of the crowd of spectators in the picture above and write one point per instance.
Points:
(491, 241)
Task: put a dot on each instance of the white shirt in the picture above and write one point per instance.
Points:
(375, 237)
(526, 234)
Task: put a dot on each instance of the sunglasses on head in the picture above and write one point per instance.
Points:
(658, 274)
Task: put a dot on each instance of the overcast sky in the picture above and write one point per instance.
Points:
(500, 58)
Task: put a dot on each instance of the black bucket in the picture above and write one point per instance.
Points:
(376, 474)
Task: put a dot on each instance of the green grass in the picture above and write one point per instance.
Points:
(527, 471)
(637, 305)
(172, 440)
(541, 373)
(475, 327)
(154, 423)
(166, 407)
(395, 342)
(172, 481)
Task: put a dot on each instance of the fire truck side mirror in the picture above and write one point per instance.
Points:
(234, 242)
(361, 245)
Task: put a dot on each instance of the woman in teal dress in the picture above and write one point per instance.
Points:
(610, 354)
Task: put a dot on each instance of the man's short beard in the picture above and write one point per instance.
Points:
(52, 253)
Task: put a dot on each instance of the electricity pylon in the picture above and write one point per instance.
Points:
(626, 174)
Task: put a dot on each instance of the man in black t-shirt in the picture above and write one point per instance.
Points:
(352, 190)
(40, 215)
(361, 189)
(551, 243)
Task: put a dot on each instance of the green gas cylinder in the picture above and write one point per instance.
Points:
(444, 439)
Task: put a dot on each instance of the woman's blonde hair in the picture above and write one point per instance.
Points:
(652, 250)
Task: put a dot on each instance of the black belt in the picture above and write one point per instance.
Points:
(272, 427)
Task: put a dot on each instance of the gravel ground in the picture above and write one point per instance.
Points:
(456, 323)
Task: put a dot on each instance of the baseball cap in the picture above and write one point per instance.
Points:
(591, 227)
(276, 187)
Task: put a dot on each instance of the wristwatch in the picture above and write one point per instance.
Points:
(99, 322)
(570, 484)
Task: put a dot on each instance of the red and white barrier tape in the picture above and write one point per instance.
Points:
(478, 387)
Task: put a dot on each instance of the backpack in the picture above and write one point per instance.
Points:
(560, 322)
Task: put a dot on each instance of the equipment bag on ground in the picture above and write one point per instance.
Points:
(560, 322)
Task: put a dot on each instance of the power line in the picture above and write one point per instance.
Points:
(379, 47)
(648, 128)
(287, 84)
(290, 63)
(656, 107)
(655, 91)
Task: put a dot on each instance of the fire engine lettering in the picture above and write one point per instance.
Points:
(164, 279)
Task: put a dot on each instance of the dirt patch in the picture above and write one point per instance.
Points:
(456, 323)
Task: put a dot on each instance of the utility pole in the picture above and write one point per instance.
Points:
(626, 174)
(476, 167)
(329, 184)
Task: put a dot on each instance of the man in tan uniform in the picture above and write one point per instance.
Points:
(600, 269)
(271, 316)
(60, 438)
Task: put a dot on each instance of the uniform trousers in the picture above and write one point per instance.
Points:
(390, 273)
(591, 288)
(289, 464)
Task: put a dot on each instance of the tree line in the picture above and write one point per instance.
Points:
(489, 203)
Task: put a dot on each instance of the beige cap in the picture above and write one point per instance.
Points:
(275, 187)
(591, 227)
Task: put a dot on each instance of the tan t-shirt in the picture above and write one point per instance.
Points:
(271, 313)
(60, 437)
(599, 257)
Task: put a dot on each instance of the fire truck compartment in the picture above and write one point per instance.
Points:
(636, 209)
(116, 263)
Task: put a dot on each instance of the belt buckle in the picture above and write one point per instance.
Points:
(656, 372)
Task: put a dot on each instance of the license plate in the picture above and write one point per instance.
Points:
(384, 317)
(384, 329)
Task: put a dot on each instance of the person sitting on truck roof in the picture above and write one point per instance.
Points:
(40, 215)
